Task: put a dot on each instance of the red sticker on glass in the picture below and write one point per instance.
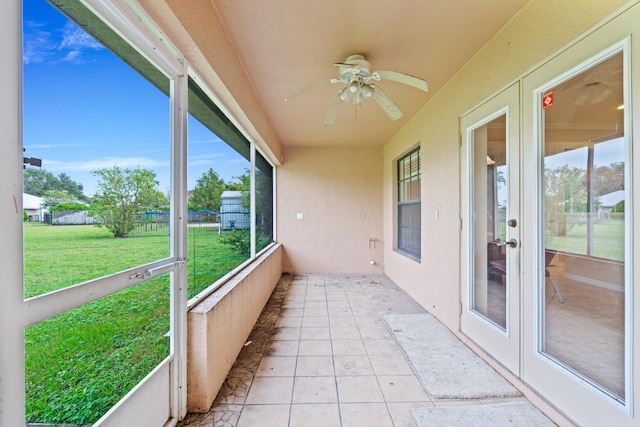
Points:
(547, 99)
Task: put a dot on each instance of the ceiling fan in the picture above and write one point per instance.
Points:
(355, 73)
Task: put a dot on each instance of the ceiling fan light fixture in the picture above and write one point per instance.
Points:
(367, 91)
(344, 94)
(355, 73)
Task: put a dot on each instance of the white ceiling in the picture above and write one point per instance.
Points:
(285, 45)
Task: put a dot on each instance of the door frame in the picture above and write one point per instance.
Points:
(504, 345)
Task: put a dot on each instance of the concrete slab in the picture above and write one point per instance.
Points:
(499, 414)
(447, 368)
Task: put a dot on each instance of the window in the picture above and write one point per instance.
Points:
(409, 203)
(220, 202)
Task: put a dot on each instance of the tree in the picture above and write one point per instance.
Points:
(608, 179)
(65, 183)
(122, 195)
(38, 181)
(57, 197)
(565, 198)
(208, 191)
(243, 183)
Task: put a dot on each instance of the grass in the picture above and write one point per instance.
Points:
(608, 240)
(82, 362)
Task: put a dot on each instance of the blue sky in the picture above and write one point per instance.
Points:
(84, 109)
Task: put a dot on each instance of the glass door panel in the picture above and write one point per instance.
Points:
(490, 199)
(582, 258)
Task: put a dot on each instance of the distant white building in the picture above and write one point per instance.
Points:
(607, 202)
(32, 205)
(232, 213)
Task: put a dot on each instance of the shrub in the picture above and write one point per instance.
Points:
(69, 207)
(239, 240)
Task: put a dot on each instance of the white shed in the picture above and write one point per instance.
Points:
(232, 213)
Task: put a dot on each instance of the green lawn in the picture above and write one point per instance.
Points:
(608, 240)
(82, 362)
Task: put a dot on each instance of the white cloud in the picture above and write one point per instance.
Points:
(205, 141)
(105, 162)
(74, 38)
(51, 146)
(237, 161)
(205, 159)
(76, 41)
(37, 44)
(69, 44)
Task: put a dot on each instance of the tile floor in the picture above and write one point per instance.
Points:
(322, 355)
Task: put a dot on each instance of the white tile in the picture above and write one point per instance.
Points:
(315, 311)
(315, 415)
(338, 321)
(345, 332)
(314, 366)
(382, 347)
(270, 390)
(264, 415)
(401, 412)
(315, 334)
(348, 348)
(315, 301)
(352, 365)
(276, 367)
(374, 332)
(315, 390)
(359, 389)
(391, 364)
(315, 322)
(402, 388)
(339, 311)
(315, 348)
(365, 414)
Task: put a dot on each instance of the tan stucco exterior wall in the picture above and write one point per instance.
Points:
(218, 326)
(542, 28)
(338, 192)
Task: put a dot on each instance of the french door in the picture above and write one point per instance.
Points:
(548, 235)
(491, 226)
(579, 341)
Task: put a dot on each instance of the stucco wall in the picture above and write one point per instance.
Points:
(542, 28)
(338, 191)
(218, 327)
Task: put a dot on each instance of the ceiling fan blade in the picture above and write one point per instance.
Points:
(387, 105)
(306, 88)
(403, 78)
(334, 109)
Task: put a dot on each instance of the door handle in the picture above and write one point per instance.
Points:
(512, 243)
